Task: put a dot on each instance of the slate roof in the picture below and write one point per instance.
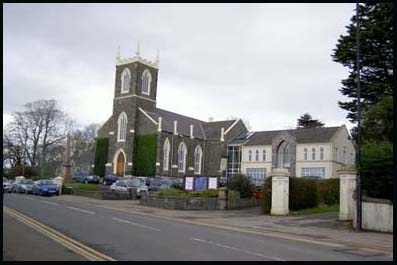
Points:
(201, 129)
(309, 135)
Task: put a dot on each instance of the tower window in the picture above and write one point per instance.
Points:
(305, 153)
(122, 127)
(125, 81)
(146, 81)
(313, 153)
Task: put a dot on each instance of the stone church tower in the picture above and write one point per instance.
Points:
(135, 88)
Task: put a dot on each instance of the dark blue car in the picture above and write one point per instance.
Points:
(110, 179)
(45, 187)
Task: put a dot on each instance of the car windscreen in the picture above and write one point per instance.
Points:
(133, 183)
(47, 182)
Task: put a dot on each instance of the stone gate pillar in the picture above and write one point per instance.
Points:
(280, 191)
(347, 178)
(59, 181)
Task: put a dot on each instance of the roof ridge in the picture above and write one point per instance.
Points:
(180, 115)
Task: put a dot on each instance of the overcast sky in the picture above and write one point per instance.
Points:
(267, 63)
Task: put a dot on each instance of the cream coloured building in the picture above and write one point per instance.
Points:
(313, 152)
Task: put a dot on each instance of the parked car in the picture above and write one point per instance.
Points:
(128, 185)
(45, 187)
(144, 180)
(87, 179)
(6, 185)
(165, 183)
(23, 186)
(110, 179)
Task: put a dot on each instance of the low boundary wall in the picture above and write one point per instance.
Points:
(178, 203)
(377, 215)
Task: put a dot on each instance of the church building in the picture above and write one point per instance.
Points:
(142, 139)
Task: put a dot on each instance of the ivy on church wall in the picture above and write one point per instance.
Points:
(101, 156)
(145, 148)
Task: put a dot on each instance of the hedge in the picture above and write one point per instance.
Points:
(145, 149)
(179, 193)
(101, 156)
(304, 193)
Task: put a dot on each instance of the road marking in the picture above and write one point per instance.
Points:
(80, 210)
(53, 203)
(29, 198)
(64, 240)
(236, 249)
(275, 234)
(132, 223)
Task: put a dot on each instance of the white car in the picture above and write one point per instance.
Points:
(129, 185)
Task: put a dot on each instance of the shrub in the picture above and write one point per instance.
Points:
(204, 194)
(171, 192)
(242, 184)
(377, 169)
(328, 190)
(267, 195)
(303, 193)
(101, 156)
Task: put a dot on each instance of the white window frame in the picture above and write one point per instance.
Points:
(249, 155)
(321, 153)
(198, 154)
(122, 122)
(125, 86)
(313, 153)
(264, 155)
(166, 154)
(305, 153)
(146, 82)
(182, 150)
(313, 171)
(257, 175)
(256, 155)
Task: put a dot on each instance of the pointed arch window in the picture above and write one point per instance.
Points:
(321, 153)
(198, 153)
(257, 155)
(182, 157)
(125, 81)
(305, 153)
(313, 153)
(166, 154)
(146, 81)
(287, 156)
(122, 127)
(264, 155)
(249, 155)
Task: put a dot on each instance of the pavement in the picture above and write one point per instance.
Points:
(316, 227)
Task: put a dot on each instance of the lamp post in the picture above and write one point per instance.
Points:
(358, 158)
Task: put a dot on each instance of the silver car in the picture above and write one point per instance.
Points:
(130, 184)
(23, 186)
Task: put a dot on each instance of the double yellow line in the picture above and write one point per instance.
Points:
(64, 240)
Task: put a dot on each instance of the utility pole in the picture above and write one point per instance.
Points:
(358, 157)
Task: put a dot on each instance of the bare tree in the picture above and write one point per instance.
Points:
(39, 128)
(83, 144)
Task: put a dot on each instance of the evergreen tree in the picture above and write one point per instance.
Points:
(376, 57)
(306, 121)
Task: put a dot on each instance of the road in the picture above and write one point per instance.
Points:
(126, 236)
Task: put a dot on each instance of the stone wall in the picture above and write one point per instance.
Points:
(178, 203)
(105, 195)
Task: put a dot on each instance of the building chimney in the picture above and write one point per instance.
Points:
(175, 127)
(222, 134)
(191, 131)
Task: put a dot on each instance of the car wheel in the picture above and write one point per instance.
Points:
(105, 183)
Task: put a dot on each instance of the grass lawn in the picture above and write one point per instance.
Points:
(319, 209)
(82, 186)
